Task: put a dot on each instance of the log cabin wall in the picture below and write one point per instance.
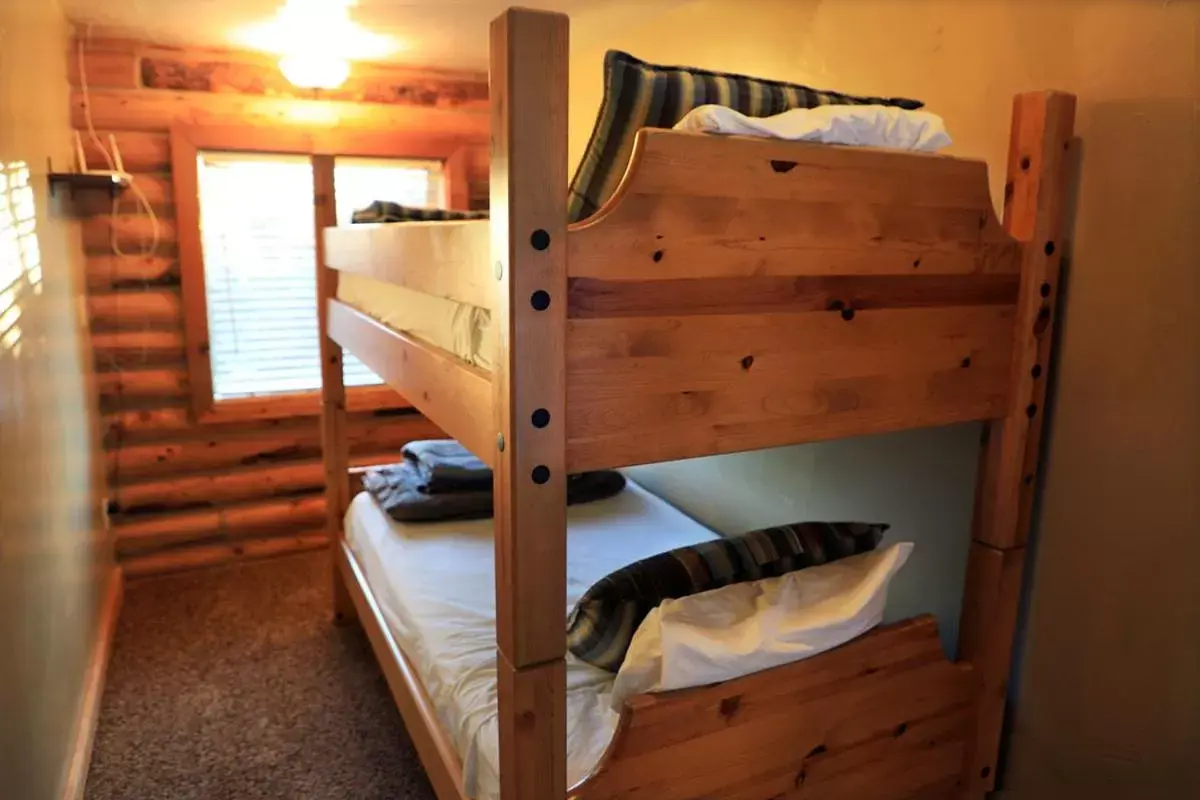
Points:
(184, 494)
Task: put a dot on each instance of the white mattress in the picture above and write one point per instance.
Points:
(434, 583)
(462, 329)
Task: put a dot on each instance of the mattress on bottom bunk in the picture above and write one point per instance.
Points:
(461, 329)
(434, 583)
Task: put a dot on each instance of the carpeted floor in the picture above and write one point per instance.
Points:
(233, 684)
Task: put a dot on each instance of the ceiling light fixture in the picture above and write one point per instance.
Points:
(316, 40)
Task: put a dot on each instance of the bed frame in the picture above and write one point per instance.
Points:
(733, 294)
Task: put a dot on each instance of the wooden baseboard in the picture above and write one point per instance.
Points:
(93, 688)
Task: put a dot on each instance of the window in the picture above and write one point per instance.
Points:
(20, 260)
(259, 251)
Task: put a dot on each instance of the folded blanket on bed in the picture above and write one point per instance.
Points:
(384, 211)
(444, 465)
(415, 490)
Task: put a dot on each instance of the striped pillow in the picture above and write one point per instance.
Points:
(385, 211)
(603, 622)
(639, 95)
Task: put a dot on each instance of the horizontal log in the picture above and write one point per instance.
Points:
(222, 448)
(173, 423)
(106, 68)
(158, 110)
(140, 534)
(141, 151)
(141, 384)
(230, 486)
(230, 74)
(106, 272)
(134, 233)
(134, 349)
(213, 555)
(135, 310)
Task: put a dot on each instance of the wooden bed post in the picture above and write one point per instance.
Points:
(1034, 208)
(335, 445)
(528, 91)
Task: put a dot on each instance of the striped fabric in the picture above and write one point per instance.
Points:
(639, 95)
(383, 211)
(603, 622)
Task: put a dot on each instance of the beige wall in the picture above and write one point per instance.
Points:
(53, 554)
(1109, 702)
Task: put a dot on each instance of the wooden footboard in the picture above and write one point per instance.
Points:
(885, 716)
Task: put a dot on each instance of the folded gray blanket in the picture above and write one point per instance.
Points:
(401, 491)
(444, 465)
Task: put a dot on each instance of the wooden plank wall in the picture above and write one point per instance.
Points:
(186, 495)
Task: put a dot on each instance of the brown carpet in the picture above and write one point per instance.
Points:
(233, 684)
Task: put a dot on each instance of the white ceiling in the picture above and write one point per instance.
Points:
(443, 33)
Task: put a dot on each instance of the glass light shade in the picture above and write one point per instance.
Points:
(315, 71)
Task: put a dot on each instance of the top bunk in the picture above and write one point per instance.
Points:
(732, 293)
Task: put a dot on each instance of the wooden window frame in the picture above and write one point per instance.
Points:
(186, 144)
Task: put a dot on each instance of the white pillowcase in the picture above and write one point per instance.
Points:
(747, 627)
(870, 126)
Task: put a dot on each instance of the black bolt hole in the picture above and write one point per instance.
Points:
(1036, 372)
(1031, 410)
(540, 474)
(540, 418)
(1025, 163)
(540, 239)
(848, 314)
(983, 773)
(1048, 249)
(1042, 322)
(658, 254)
(782, 166)
(747, 362)
(1045, 290)
(540, 300)
(966, 362)
(762, 238)
(916, 263)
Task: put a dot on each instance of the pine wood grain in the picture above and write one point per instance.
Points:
(230, 74)
(137, 349)
(528, 84)
(134, 232)
(135, 310)
(141, 151)
(592, 298)
(1035, 207)
(106, 68)
(219, 447)
(105, 272)
(254, 518)
(435, 749)
(648, 389)
(181, 559)
(883, 716)
(141, 383)
(693, 206)
(444, 259)
(142, 110)
(451, 392)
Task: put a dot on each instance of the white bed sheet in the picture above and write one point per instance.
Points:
(462, 329)
(434, 583)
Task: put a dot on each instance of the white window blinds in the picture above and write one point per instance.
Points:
(256, 231)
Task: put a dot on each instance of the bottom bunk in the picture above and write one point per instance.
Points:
(883, 716)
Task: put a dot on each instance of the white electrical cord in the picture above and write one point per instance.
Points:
(149, 248)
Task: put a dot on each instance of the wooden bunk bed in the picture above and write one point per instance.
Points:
(733, 294)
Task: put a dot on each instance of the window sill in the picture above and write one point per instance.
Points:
(300, 404)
